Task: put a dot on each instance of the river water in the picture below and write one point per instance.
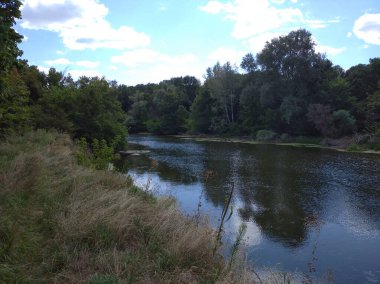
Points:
(308, 211)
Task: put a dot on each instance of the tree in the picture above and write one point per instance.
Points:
(138, 114)
(14, 109)
(248, 63)
(320, 116)
(9, 38)
(344, 123)
(223, 84)
(201, 112)
(293, 77)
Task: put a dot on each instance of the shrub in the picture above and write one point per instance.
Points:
(100, 156)
(265, 135)
(354, 148)
(344, 122)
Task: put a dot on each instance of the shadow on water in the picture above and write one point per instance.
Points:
(289, 197)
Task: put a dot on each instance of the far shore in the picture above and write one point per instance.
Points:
(341, 146)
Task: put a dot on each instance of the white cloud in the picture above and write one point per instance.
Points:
(216, 7)
(113, 67)
(76, 73)
(278, 1)
(257, 43)
(147, 65)
(43, 69)
(59, 61)
(252, 18)
(316, 24)
(80, 24)
(256, 22)
(226, 54)
(367, 28)
(294, 1)
(87, 63)
(349, 34)
(65, 61)
(329, 50)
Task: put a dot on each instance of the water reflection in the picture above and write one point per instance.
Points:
(285, 195)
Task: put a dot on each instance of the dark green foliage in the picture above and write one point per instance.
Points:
(201, 113)
(265, 135)
(248, 63)
(9, 38)
(97, 154)
(344, 123)
(14, 99)
(86, 109)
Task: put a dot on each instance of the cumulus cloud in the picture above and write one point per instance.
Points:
(278, 1)
(329, 50)
(227, 54)
(257, 43)
(66, 62)
(255, 21)
(80, 24)
(58, 61)
(252, 18)
(367, 28)
(88, 64)
(76, 73)
(148, 65)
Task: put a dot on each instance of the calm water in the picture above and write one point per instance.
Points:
(293, 200)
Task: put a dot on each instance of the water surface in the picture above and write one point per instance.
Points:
(303, 207)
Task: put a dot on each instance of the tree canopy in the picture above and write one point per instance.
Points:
(286, 89)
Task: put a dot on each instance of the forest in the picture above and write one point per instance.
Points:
(288, 89)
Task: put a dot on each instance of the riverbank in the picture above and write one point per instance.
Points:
(64, 223)
(346, 144)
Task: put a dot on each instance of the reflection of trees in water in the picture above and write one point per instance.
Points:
(280, 188)
(271, 187)
(143, 164)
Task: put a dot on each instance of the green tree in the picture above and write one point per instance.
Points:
(201, 112)
(14, 100)
(248, 63)
(223, 83)
(9, 38)
(344, 123)
(293, 76)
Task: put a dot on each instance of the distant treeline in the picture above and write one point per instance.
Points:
(288, 89)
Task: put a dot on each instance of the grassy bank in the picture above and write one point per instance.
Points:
(64, 223)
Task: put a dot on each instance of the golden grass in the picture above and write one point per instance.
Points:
(63, 223)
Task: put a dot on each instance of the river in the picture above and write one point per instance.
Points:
(308, 211)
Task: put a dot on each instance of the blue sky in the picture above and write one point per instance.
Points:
(151, 40)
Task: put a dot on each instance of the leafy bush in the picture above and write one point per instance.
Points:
(344, 123)
(100, 156)
(153, 126)
(265, 135)
(374, 146)
(354, 148)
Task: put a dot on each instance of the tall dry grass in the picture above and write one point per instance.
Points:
(63, 223)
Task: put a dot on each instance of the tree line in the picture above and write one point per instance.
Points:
(286, 89)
